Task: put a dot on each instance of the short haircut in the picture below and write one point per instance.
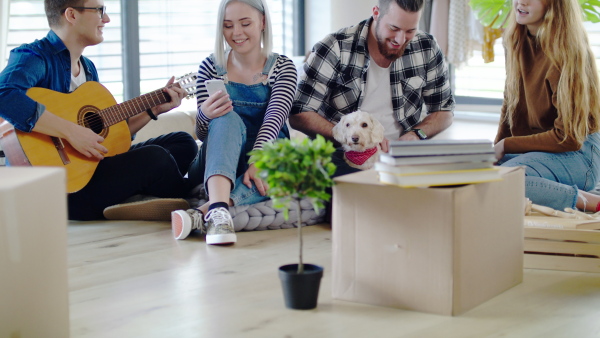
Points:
(55, 8)
(407, 5)
(267, 35)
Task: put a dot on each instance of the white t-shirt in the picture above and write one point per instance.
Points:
(78, 80)
(378, 100)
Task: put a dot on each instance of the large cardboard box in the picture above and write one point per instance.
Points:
(440, 250)
(33, 253)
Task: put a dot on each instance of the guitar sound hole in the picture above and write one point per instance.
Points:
(93, 121)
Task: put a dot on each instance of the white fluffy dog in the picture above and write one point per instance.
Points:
(360, 135)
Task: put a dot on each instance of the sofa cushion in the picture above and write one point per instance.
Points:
(262, 215)
(166, 123)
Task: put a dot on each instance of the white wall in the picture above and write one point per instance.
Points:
(327, 16)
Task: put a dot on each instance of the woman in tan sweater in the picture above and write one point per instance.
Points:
(551, 113)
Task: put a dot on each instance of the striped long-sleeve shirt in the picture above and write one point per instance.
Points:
(282, 79)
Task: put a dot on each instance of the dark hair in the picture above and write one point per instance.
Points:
(407, 5)
(55, 8)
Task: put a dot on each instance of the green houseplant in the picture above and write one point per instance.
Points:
(294, 170)
(495, 12)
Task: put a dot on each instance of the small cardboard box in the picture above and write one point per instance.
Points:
(34, 289)
(440, 250)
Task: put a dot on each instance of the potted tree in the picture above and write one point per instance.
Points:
(294, 170)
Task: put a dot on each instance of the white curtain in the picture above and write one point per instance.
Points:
(439, 23)
(465, 33)
(4, 14)
(456, 30)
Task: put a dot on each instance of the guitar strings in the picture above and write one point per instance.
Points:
(107, 117)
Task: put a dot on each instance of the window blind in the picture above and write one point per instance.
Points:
(27, 22)
(175, 36)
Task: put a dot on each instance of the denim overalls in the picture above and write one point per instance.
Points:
(231, 136)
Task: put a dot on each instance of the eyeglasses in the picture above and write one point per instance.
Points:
(101, 10)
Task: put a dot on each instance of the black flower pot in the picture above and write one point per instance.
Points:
(300, 291)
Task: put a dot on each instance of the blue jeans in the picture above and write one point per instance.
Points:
(221, 154)
(553, 179)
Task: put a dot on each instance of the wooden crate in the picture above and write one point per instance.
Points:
(562, 249)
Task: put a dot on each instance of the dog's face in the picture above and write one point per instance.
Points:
(358, 131)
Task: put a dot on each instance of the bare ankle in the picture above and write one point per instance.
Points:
(588, 202)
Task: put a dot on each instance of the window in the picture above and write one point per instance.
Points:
(174, 37)
(27, 22)
(477, 81)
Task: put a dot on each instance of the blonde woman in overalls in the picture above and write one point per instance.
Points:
(260, 89)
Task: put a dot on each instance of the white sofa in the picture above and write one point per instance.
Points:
(180, 121)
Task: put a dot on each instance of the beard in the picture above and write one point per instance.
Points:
(388, 53)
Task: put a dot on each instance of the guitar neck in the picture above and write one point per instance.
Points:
(122, 111)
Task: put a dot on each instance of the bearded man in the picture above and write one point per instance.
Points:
(383, 65)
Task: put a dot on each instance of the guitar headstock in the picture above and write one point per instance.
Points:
(188, 83)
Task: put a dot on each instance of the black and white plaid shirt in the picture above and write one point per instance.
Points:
(336, 73)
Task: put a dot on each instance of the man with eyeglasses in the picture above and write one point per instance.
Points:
(101, 10)
(155, 167)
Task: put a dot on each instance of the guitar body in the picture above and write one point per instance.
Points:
(93, 107)
(81, 107)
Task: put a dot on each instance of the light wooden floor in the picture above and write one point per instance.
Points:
(132, 279)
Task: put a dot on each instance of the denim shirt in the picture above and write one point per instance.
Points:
(44, 63)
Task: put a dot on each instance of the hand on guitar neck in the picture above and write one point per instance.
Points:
(174, 92)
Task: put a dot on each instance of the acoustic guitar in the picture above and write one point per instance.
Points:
(92, 106)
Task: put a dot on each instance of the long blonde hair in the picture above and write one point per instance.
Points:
(564, 40)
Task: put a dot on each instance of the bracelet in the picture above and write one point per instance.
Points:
(151, 114)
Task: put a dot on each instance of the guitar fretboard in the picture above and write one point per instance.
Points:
(122, 111)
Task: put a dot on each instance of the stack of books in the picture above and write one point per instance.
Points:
(437, 162)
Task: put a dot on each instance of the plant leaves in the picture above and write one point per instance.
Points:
(495, 12)
(296, 169)
(490, 12)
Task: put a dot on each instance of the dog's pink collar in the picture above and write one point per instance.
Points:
(360, 157)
